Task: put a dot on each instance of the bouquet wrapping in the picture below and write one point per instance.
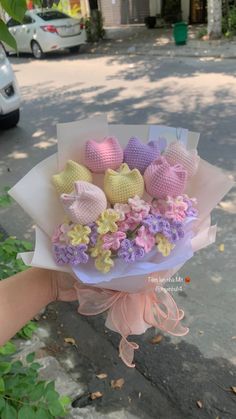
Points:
(122, 209)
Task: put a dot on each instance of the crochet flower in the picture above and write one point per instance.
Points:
(177, 231)
(107, 222)
(94, 233)
(163, 245)
(60, 233)
(175, 208)
(137, 204)
(122, 210)
(60, 254)
(156, 224)
(67, 254)
(190, 211)
(104, 263)
(145, 239)
(79, 234)
(112, 241)
(130, 251)
(77, 255)
(98, 248)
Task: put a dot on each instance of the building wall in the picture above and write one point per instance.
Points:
(185, 7)
(123, 12)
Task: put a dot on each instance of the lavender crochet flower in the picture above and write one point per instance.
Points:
(129, 251)
(94, 233)
(68, 254)
(157, 224)
(191, 211)
(177, 231)
(60, 254)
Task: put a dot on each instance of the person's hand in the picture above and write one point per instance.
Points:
(63, 286)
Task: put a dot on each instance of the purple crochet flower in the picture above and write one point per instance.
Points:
(157, 224)
(130, 251)
(60, 254)
(72, 255)
(139, 155)
(94, 234)
(191, 210)
(177, 231)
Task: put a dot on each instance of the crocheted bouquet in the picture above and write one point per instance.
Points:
(117, 223)
(122, 214)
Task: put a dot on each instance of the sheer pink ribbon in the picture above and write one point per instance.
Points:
(132, 313)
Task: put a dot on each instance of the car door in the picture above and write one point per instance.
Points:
(14, 28)
(25, 33)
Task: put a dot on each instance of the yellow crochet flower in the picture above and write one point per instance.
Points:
(103, 262)
(107, 221)
(97, 250)
(163, 245)
(79, 234)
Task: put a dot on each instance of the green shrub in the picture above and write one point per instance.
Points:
(229, 22)
(22, 394)
(202, 32)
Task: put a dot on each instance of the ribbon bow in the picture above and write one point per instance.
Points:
(132, 313)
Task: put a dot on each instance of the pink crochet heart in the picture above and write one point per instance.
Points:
(162, 180)
(85, 204)
(102, 156)
(176, 153)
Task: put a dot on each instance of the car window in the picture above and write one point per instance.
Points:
(12, 22)
(54, 14)
(27, 20)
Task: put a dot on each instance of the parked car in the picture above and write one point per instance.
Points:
(45, 31)
(9, 94)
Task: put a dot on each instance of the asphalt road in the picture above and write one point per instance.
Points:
(198, 94)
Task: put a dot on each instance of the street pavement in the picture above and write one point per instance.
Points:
(198, 94)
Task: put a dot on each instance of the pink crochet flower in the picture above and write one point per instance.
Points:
(60, 233)
(176, 208)
(137, 204)
(112, 241)
(145, 239)
(122, 210)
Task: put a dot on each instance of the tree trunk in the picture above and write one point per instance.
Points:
(214, 11)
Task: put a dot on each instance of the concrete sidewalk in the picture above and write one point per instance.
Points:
(139, 40)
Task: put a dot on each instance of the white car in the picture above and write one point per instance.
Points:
(9, 94)
(45, 31)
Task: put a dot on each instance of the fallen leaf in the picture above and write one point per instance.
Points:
(71, 341)
(233, 388)
(156, 339)
(101, 376)
(117, 384)
(233, 337)
(199, 404)
(201, 332)
(96, 395)
(221, 247)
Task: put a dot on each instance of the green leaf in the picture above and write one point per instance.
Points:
(56, 408)
(2, 403)
(5, 367)
(30, 357)
(42, 414)
(65, 400)
(2, 385)
(9, 412)
(26, 412)
(8, 349)
(50, 386)
(15, 8)
(37, 392)
(35, 366)
(51, 396)
(6, 36)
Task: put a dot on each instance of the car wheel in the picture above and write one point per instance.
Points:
(75, 49)
(37, 50)
(11, 120)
